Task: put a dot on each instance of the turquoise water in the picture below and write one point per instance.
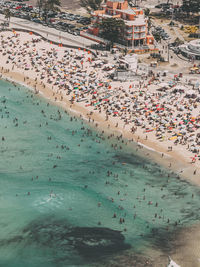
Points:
(61, 183)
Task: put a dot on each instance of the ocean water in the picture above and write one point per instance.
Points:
(70, 196)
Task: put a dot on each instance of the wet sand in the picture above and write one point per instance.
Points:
(150, 148)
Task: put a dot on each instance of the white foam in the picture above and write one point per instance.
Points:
(147, 147)
(173, 263)
(16, 82)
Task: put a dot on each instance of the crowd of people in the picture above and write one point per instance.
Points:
(164, 109)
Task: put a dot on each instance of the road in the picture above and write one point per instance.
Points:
(49, 33)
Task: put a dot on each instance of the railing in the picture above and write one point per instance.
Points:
(139, 36)
(49, 39)
(101, 40)
(139, 30)
(104, 41)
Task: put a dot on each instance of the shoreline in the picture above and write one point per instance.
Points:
(152, 151)
(158, 257)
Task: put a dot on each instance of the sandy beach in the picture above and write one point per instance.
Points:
(166, 125)
(157, 121)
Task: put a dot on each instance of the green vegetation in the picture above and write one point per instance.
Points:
(147, 12)
(91, 5)
(157, 37)
(178, 42)
(48, 5)
(7, 14)
(149, 22)
(52, 5)
(112, 29)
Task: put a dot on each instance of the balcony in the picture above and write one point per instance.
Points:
(141, 29)
(128, 37)
(139, 36)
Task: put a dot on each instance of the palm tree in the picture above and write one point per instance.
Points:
(112, 29)
(149, 24)
(157, 37)
(7, 14)
(51, 5)
(147, 12)
(40, 4)
(91, 5)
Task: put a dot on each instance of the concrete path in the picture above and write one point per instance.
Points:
(49, 33)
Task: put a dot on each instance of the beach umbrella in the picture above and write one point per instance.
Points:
(173, 138)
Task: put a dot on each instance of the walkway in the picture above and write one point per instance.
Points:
(50, 34)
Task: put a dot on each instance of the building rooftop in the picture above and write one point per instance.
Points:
(129, 11)
(140, 20)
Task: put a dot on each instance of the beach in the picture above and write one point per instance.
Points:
(63, 76)
(166, 135)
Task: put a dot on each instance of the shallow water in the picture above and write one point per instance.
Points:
(61, 183)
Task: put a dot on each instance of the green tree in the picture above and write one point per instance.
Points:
(178, 41)
(40, 4)
(7, 14)
(157, 37)
(112, 29)
(149, 24)
(125, 51)
(50, 5)
(91, 5)
(147, 12)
